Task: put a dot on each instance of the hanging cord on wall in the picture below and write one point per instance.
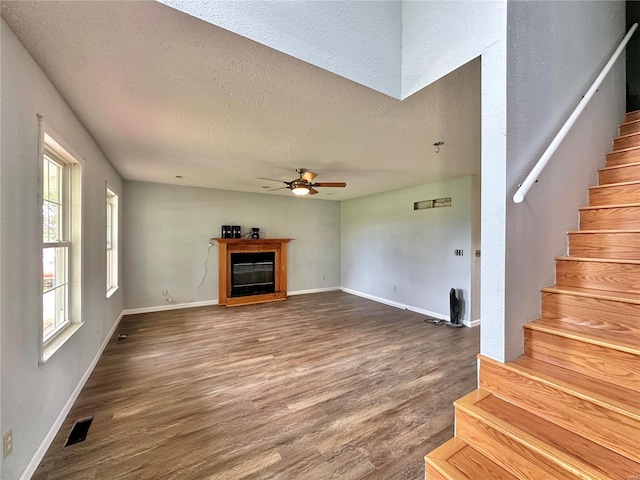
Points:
(204, 276)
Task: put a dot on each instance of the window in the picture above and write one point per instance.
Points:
(112, 242)
(61, 253)
(55, 246)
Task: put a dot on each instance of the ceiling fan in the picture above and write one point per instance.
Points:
(304, 185)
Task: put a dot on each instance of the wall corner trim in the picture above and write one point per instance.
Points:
(53, 431)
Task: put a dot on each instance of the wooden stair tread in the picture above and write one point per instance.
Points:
(631, 230)
(603, 338)
(634, 134)
(631, 122)
(600, 294)
(458, 461)
(603, 207)
(620, 184)
(629, 127)
(599, 260)
(617, 167)
(574, 453)
(614, 396)
(621, 150)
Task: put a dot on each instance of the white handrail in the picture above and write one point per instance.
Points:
(544, 159)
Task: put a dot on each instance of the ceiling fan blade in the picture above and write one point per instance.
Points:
(271, 179)
(312, 191)
(308, 176)
(274, 189)
(329, 184)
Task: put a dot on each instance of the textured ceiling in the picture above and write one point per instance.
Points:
(166, 94)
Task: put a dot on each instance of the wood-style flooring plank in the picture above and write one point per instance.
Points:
(323, 386)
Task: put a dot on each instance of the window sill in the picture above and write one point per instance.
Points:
(111, 291)
(54, 345)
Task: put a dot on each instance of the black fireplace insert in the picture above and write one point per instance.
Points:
(252, 273)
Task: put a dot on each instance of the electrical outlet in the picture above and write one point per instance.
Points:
(458, 253)
(165, 292)
(395, 289)
(7, 444)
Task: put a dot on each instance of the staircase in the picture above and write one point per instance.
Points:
(570, 407)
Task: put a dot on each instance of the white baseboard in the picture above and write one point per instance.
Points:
(313, 290)
(170, 306)
(53, 431)
(176, 306)
(471, 324)
(403, 306)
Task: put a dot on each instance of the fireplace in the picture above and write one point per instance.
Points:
(252, 273)
(251, 270)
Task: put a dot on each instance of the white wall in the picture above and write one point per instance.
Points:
(556, 49)
(359, 40)
(440, 36)
(386, 243)
(167, 231)
(33, 396)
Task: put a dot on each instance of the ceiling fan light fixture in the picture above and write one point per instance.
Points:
(300, 190)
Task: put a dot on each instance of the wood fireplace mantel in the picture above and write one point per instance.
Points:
(227, 246)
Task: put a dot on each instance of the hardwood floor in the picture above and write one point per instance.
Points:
(321, 386)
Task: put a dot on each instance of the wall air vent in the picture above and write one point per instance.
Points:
(436, 203)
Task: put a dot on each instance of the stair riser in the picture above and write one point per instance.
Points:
(632, 116)
(432, 474)
(629, 173)
(627, 128)
(620, 218)
(599, 362)
(587, 419)
(514, 457)
(614, 195)
(585, 309)
(624, 246)
(623, 158)
(632, 140)
(618, 277)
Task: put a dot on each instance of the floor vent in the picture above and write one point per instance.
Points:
(79, 431)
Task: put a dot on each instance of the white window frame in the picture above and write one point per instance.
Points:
(69, 240)
(111, 226)
(59, 245)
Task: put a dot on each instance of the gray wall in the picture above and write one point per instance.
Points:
(556, 51)
(167, 231)
(33, 396)
(385, 243)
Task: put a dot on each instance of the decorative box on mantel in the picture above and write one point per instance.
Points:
(252, 270)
